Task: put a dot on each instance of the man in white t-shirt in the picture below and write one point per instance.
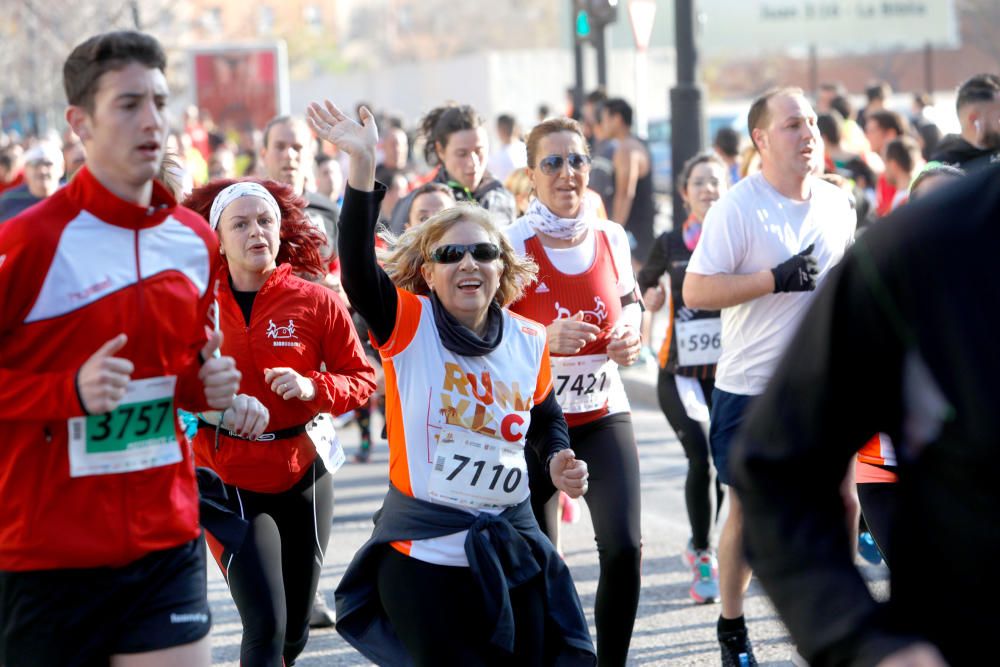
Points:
(764, 247)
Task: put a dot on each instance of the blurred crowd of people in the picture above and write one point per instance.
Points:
(874, 152)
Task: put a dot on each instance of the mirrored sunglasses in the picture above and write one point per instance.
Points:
(554, 163)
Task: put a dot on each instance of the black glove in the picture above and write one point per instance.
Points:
(797, 273)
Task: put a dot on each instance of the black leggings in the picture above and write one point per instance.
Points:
(438, 614)
(274, 576)
(878, 505)
(608, 447)
(703, 493)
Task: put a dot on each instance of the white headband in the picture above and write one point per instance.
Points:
(234, 192)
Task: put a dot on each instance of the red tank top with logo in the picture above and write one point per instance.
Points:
(557, 295)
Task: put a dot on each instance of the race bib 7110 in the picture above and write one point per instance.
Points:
(473, 470)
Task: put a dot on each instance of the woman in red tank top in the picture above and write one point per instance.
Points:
(586, 297)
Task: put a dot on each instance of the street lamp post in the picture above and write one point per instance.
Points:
(686, 114)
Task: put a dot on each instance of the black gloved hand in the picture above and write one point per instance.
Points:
(797, 273)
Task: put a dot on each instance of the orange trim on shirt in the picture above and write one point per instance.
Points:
(543, 384)
(865, 473)
(399, 465)
(408, 308)
(871, 451)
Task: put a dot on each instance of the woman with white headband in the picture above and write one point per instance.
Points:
(281, 330)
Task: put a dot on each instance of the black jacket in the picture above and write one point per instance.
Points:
(955, 150)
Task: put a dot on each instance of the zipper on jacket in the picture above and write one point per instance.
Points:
(139, 303)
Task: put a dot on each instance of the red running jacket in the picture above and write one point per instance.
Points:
(76, 270)
(295, 324)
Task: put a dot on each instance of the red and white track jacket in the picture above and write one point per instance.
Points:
(76, 270)
(294, 324)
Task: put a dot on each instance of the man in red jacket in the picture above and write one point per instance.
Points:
(106, 286)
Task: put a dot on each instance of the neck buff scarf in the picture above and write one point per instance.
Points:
(234, 192)
(691, 231)
(545, 221)
(462, 340)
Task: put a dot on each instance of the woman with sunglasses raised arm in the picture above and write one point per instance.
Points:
(586, 296)
(457, 571)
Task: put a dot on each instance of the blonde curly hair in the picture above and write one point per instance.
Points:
(407, 253)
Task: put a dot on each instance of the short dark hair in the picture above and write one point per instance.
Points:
(978, 88)
(105, 52)
(931, 135)
(760, 113)
(843, 106)
(442, 122)
(727, 141)
(505, 123)
(878, 91)
(433, 186)
(7, 157)
(828, 125)
(888, 120)
(596, 97)
(281, 120)
(619, 107)
(858, 168)
(904, 151)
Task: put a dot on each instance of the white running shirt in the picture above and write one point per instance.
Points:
(752, 228)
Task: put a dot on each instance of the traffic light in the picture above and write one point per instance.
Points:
(603, 12)
(582, 24)
(592, 16)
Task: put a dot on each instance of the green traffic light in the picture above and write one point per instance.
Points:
(582, 24)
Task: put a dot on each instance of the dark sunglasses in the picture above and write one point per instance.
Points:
(453, 253)
(554, 163)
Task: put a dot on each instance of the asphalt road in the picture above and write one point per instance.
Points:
(670, 629)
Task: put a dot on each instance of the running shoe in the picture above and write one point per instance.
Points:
(321, 616)
(705, 588)
(736, 649)
(868, 549)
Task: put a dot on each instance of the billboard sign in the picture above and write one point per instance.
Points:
(241, 86)
(832, 26)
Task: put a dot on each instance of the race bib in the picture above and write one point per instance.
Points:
(324, 436)
(473, 470)
(583, 383)
(139, 434)
(699, 342)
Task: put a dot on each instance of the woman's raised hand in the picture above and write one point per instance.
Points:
(330, 124)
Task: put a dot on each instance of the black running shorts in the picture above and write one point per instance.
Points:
(80, 617)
